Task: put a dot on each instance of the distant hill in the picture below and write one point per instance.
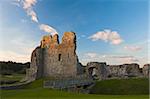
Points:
(8, 68)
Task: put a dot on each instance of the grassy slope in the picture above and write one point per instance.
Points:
(11, 77)
(35, 91)
(122, 86)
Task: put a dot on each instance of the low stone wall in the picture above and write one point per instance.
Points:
(68, 83)
(17, 86)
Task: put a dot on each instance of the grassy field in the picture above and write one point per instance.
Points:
(35, 91)
(6, 80)
(12, 77)
(122, 86)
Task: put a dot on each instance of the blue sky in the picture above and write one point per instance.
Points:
(127, 18)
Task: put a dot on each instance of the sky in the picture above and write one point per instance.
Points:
(112, 31)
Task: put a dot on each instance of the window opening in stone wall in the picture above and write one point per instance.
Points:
(59, 57)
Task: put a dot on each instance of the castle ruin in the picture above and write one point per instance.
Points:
(54, 59)
(59, 60)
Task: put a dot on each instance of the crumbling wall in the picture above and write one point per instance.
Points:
(102, 71)
(54, 59)
(36, 65)
(117, 71)
(97, 70)
(60, 59)
(125, 70)
(146, 70)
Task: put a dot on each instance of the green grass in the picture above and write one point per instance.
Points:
(122, 86)
(36, 91)
(12, 77)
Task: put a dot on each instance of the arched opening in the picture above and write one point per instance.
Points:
(93, 72)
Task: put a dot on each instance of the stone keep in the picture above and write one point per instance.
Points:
(54, 59)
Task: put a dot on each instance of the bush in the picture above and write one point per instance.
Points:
(13, 67)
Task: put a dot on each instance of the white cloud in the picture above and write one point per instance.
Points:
(27, 4)
(20, 51)
(134, 60)
(125, 58)
(120, 56)
(15, 3)
(17, 45)
(28, 7)
(48, 29)
(110, 59)
(91, 55)
(133, 48)
(33, 15)
(13, 56)
(108, 36)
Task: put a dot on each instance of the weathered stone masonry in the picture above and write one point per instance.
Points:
(59, 60)
(54, 59)
(101, 71)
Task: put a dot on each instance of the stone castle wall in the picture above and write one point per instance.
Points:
(125, 70)
(146, 70)
(97, 70)
(101, 71)
(59, 60)
(54, 59)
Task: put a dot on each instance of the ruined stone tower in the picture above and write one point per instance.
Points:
(54, 59)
